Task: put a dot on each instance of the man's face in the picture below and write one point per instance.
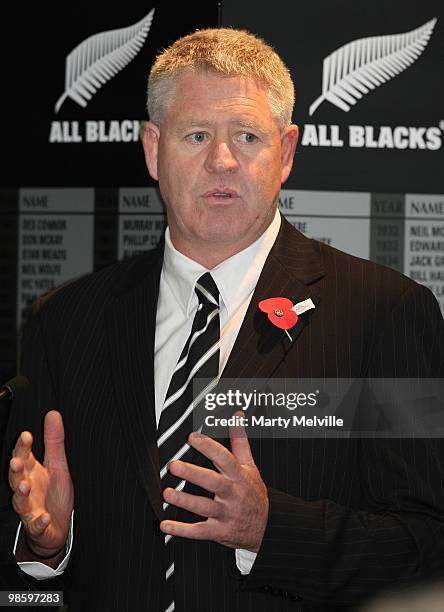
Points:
(220, 159)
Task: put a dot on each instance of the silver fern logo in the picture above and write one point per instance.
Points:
(353, 70)
(99, 58)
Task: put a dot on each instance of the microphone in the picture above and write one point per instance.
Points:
(11, 387)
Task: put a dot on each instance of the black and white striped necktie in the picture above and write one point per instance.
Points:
(199, 359)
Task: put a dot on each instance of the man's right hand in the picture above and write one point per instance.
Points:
(43, 494)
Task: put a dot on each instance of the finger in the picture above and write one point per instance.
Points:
(203, 530)
(36, 526)
(21, 501)
(224, 461)
(240, 445)
(15, 473)
(194, 503)
(54, 435)
(22, 448)
(203, 477)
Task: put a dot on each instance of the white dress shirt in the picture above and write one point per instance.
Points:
(236, 279)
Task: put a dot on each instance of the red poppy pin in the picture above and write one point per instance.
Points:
(283, 313)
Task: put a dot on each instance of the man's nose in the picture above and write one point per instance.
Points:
(220, 158)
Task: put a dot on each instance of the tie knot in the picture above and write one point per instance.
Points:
(206, 290)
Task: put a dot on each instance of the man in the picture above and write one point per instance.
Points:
(265, 524)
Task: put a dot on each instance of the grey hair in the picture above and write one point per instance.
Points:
(226, 52)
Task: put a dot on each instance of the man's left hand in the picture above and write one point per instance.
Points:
(238, 513)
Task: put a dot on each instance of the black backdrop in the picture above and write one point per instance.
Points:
(304, 33)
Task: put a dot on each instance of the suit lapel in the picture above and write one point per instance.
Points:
(131, 322)
(292, 267)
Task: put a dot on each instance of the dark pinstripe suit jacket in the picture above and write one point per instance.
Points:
(347, 517)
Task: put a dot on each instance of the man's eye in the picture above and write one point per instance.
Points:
(248, 137)
(196, 137)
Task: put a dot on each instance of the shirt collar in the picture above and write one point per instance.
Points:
(236, 277)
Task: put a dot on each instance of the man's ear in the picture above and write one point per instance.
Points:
(149, 135)
(289, 140)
